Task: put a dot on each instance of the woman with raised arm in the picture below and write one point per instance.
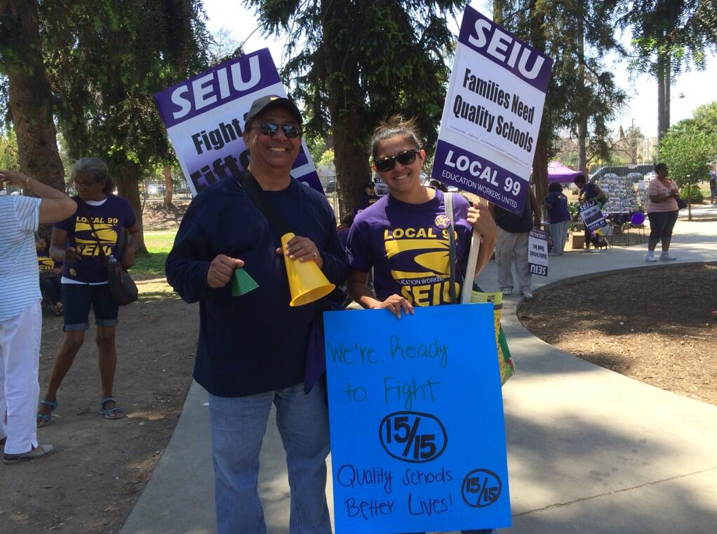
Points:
(20, 311)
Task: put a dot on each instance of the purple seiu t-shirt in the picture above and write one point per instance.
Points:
(559, 212)
(408, 247)
(109, 218)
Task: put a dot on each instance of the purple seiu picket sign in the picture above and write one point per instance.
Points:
(205, 119)
(217, 86)
(503, 48)
(455, 166)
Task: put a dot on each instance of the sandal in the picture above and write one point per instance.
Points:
(38, 452)
(108, 413)
(44, 419)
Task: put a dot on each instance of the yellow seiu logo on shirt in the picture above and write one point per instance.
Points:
(87, 242)
(428, 249)
(45, 263)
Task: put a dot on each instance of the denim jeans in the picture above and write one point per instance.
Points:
(238, 425)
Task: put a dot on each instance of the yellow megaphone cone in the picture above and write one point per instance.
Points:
(306, 281)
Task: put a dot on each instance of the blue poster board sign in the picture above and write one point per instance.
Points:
(417, 428)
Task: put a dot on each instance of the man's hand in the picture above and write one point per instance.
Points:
(221, 270)
(302, 249)
(394, 303)
(482, 220)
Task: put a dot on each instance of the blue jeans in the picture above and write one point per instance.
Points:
(238, 425)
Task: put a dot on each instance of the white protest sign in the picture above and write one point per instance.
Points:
(538, 252)
(492, 113)
(205, 119)
(592, 215)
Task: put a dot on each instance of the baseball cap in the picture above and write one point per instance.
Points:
(266, 102)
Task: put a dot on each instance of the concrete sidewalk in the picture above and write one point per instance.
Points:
(589, 451)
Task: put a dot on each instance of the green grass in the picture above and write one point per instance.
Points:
(158, 244)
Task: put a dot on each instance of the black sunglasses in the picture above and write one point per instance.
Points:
(387, 163)
(292, 131)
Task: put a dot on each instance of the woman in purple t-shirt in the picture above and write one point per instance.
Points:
(76, 241)
(404, 236)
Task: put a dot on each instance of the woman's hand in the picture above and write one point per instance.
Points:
(14, 177)
(128, 258)
(302, 249)
(71, 255)
(394, 303)
(481, 219)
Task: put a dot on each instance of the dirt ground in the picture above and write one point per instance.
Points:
(652, 324)
(157, 217)
(100, 467)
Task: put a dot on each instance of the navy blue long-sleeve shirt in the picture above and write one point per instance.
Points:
(255, 342)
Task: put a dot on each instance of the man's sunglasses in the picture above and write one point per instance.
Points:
(292, 131)
(389, 162)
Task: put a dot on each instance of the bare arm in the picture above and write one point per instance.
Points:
(57, 247)
(482, 218)
(55, 206)
(129, 251)
(360, 293)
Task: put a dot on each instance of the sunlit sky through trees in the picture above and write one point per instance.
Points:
(697, 86)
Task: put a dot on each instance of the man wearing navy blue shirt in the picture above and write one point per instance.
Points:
(252, 348)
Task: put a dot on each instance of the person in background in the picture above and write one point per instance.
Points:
(512, 244)
(713, 187)
(559, 217)
(589, 191)
(662, 210)
(439, 185)
(398, 158)
(49, 275)
(84, 279)
(20, 312)
(343, 228)
(369, 196)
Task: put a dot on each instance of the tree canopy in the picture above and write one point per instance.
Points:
(688, 150)
(353, 64)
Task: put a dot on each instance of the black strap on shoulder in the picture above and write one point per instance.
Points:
(256, 193)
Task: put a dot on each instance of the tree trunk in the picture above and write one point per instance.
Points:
(583, 111)
(30, 97)
(350, 155)
(168, 187)
(668, 98)
(661, 108)
(540, 166)
(126, 177)
(540, 160)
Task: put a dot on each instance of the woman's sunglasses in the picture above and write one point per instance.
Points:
(292, 131)
(387, 163)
